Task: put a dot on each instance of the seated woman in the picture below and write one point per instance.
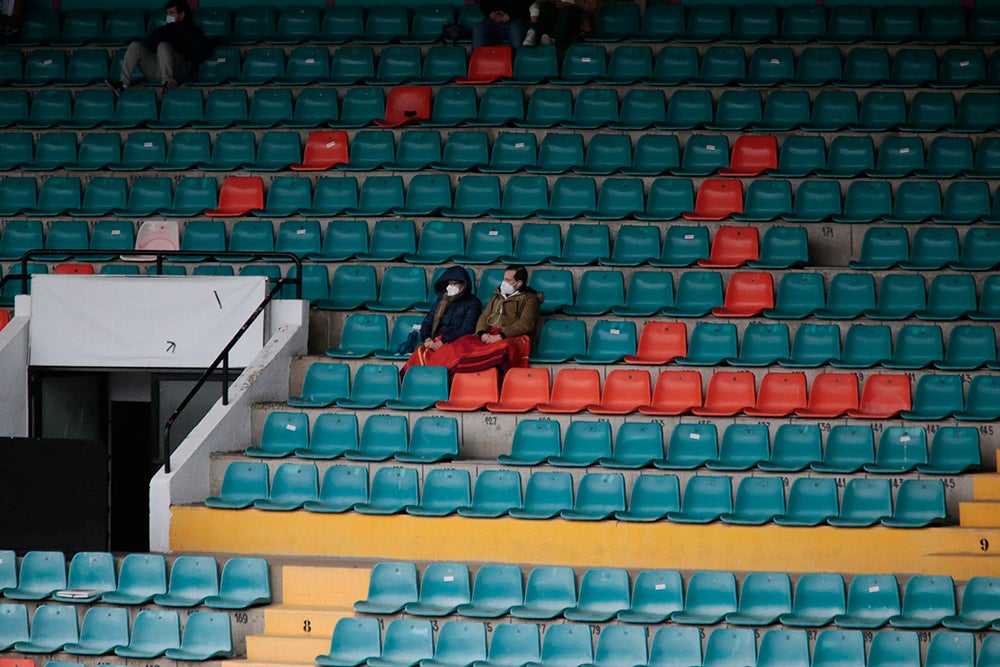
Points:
(452, 316)
(501, 337)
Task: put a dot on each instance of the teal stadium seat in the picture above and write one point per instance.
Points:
(599, 495)
(458, 642)
(90, 571)
(871, 601)
(153, 632)
(443, 587)
(206, 635)
(294, 485)
(709, 596)
(343, 487)
(817, 599)
(655, 595)
(41, 574)
(444, 490)
(52, 628)
(140, 578)
(242, 484)
(811, 501)
(704, 500)
(354, 640)
(102, 630)
(496, 492)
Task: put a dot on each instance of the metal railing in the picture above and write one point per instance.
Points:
(159, 256)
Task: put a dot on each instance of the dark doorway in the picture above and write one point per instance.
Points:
(132, 450)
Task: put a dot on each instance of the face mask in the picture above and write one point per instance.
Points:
(171, 18)
(453, 290)
(506, 288)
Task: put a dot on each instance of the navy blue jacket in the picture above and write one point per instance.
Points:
(461, 315)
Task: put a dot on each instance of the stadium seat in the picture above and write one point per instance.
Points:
(361, 335)
(52, 628)
(557, 285)
(647, 293)
(406, 642)
(90, 571)
(800, 156)
(738, 110)
(586, 442)
(624, 392)
(758, 501)
(379, 195)
(688, 110)
(780, 394)
(593, 108)
(433, 439)
(710, 345)
(882, 397)
(969, 347)
(832, 111)
(522, 390)
(599, 495)
(570, 198)
(742, 447)
(443, 587)
(871, 601)
(598, 292)
(609, 342)
(798, 296)
(717, 199)
(847, 450)
(41, 574)
(698, 292)
(710, 595)
(660, 343)
(816, 600)
(765, 201)
(242, 484)
(195, 578)
(293, 485)
(770, 67)
(926, 600)
(565, 643)
(865, 346)
(582, 63)
(936, 397)
(865, 502)
(496, 492)
(704, 154)
(355, 640)
(239, 196)
(794, 448)
(782, 248)
(900, 296)
(949, 298)
(831, 395)
(573, 389)
(916, 347)
(811, 501)
(882, 248)
(865, 67)
(848, 296)
(452, 106)
(495, 590)
(385, 24)
(815, 201)
(674, 393)
(373, 384)
(102, 630)
(534, 441)
(603, 591)
(918, 503)
(747, 294)
(471, 391)
(979, 606)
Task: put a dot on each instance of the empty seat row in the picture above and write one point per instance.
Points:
(929, 249)
(687, 109)
(248, 25)
(142, 578)
(382, 437)
(358, 641)
(603, 594)
(637, 444)
(522, 197)
(105, 630)
(598, 496)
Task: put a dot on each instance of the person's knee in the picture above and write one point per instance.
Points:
(163, 49)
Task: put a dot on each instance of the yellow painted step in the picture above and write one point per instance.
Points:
(296, 620)
(980, 514)
(281, 648)
(965, 566)
(262, 663)
(986, 487)
(580, 544)
(331, 587)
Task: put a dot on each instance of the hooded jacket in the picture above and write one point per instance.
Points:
(459, 319)
(186, 38)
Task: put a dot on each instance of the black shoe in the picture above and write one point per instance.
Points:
(116, 86)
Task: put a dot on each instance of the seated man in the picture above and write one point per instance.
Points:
(169, 54)
(502, 332)
(453, 315)
(506, 20)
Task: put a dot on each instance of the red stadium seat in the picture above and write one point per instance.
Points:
(732, 247)
(523, 389)
(675, 393)
(239, 196)
(728, 394)
(779, 395)
(752, 156)
(471, 391)
(487, 64)
(573, 390)
(659, 343)
(73, 269)
(717, 200)
(323, 150)
(882, 397)
(747, 295)
(831, 395)
(624, 392)
(406, 104)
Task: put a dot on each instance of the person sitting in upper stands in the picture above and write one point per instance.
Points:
(11, 18)
(502, 335)
(170, 53)
(506, 20)
(452, 316)
(559, 22)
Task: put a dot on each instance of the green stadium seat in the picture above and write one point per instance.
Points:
(882, 248)
(268, 108)
(838, 647)
(352, 64)
(565, 644)
(582, 63)
(242, 484)
(53, 150)
(499, 106)
(705, 499)
(871, 601)
(865, 502)
(343, 487)
(817, 599)
(343, 240)
(340, 24)
(599, 495)
(306, 65)
(627, 65)
(865, 346)
(496, 492)
(355, 640)
(763, 597)
(396, 65)
(703, 155)
(547, 107)
(442, 64)
(929, 112)
(674, 65)
(815, 201)
(384, 24)
(936, 397)
(965, 202)
(918, 504)
(534, 65)
(372, 386)
(969, 347)
(332, 435)
(391, 587)
(453, 106)
(979, 606)
(360, 106)
(976, 112)
(957, 68)
(811, 501)
(407, 642)
(474, 197)
(444, 491)
(102, 630)
(360, 336)
(440, 241)
(900, 296)
(379, 195)
(294, 485)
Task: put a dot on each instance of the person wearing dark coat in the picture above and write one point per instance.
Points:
(170, 53)
(505, 21)
(453, 315)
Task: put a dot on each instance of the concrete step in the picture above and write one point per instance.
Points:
(329, 587)
(980, 514)
(295, 620)
(986, 487)
(287, 649)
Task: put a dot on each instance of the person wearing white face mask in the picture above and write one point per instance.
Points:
(502, 337)
(169, 54)
(452, 316)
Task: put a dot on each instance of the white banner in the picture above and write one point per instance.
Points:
(148, 322)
